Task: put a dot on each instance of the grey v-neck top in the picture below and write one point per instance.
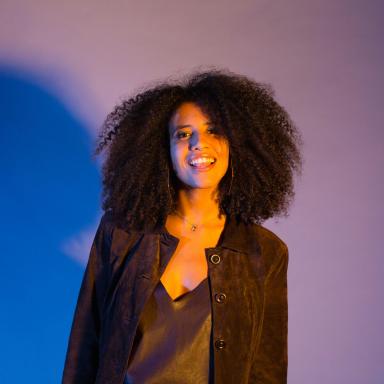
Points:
(173, 339)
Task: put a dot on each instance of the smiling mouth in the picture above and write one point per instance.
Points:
(202, 162)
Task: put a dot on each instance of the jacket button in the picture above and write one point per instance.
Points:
(220, 344)
(220, 297)
(215, 259)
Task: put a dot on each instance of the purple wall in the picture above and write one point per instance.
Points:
(325, 60)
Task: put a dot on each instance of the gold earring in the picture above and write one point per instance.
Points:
(232, 173)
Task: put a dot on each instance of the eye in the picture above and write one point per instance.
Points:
(182, 135)
(212, 130)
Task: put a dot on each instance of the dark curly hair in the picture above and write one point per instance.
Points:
(139, 185)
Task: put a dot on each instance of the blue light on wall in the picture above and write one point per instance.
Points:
(49, 192)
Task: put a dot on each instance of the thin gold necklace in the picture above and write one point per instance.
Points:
(194, 226)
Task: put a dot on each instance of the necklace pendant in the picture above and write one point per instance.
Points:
(193, 227)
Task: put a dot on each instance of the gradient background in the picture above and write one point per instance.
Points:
(64, 65)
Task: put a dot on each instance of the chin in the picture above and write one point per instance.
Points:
(201, 185)
(199, 181)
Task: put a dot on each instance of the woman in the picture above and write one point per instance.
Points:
(183, 284)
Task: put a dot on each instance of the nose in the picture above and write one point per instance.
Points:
(197, 142)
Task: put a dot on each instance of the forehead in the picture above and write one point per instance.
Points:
(188, 114)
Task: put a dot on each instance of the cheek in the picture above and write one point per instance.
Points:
(176, 156)
(225, 155)
(224, 151)
(173, 158)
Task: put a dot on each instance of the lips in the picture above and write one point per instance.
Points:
(202, 161)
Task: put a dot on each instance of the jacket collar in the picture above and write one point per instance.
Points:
(234, 236)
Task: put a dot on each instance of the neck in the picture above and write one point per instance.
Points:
(198, 205)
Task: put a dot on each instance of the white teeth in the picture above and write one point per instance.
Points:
(202, 160)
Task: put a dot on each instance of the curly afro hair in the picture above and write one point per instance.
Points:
(139, 185)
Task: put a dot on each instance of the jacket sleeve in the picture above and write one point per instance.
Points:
(271, 358)
(83, 353)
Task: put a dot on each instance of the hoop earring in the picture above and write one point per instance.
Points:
(169, 189)
(169, 185)
(232, 173)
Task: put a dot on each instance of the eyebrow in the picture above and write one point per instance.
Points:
(189, 125)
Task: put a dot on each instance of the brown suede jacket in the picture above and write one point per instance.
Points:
(249, 322)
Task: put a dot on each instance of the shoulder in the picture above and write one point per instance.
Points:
(106, 225)
(114, 239)
(268, 238)
(265, 244)
(271, 259)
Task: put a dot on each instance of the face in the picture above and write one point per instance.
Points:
(199, 155)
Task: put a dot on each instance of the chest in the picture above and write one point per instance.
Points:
(187, 266)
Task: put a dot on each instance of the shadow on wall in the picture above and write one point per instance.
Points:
(49, 193)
